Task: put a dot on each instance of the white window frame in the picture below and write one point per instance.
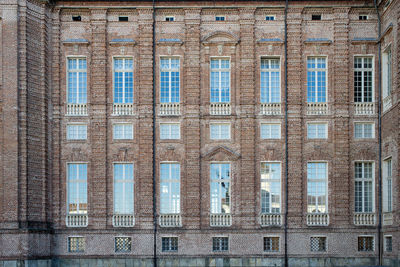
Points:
(270, 181)
(220, 70)
(170, 181)
(317, 123)
(316, 77)
(78, 182)
(170, 70)
(387, 187)
(364, 180)
(219, 181)
(363, 130)
(276, 57)
(77, 124)
(387, 71)
(271, 16)
(169, 17)
(123, 78)
(124, 182)
(123, 123)
(77, 77)
(272, 236)
(270, 123)
(326, 186)
(384, 243)
(219, 125)
(364, 70)
(170, 130)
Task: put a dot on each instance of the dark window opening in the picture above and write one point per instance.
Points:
(76, 18)
(316, 17)
(123, 18)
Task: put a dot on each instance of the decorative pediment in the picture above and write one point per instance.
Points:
(221, 153)
(220, 37)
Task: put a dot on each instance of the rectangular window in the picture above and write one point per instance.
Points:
(170, 131)
(363, 130)
(77, 132)
(316, 17)
(271, 244)
(270, 131)
(77, 81)
(268, 18)
(363, 70)
(220, 131)
(76, 244)
(270, 80)
(170, 188)
(77, 188)
(220, 80)
(317, 174)
(387, 72)
(220, 174)
(364, 177)
(123, 80)
(317, 130)
(169, 244)
(220, 244)
(219, 18)
(388, 244)
(123, 131)
(387, 185)
(123, 244)
(170, 80)
(123, 188)
(122, 18)
(363, 17)
(169, 18)
(365, 243)
(316, 79)
(318, 244)
(270, 187)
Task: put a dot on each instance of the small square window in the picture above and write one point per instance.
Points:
(271, 131)
(220, 244)
(123, 131)
(76, 132)
(388, 244)
(220, 131)
(170, 131)
(316, 17)
(269, 18)
(317, 130)
(169, 244)
(363, 130)
(318, 243)
(76, 18)
(365, 243)
(271, 244)
(76, 244)
(362, 17)
(219, 18)
(123, 244)
(169, 18)
(122, 18)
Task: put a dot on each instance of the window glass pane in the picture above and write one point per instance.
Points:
(77, 188)
(123, 131)
(316, 79)
(220, 131)
(169, 131)
(316, 187)
(123, 188)
(169, 188)
(220, 80)
(270, 131)
(220, 188)
(76, 81)
(170, 80)
(76, 132)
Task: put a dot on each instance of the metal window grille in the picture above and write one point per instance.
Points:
(220, 243)
(365, 243)
(123, 244)
(388, 244)
(271, 244)
(76, 244)
(169, 244)
(318, 243)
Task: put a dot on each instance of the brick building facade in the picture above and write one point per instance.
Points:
(275, 130)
